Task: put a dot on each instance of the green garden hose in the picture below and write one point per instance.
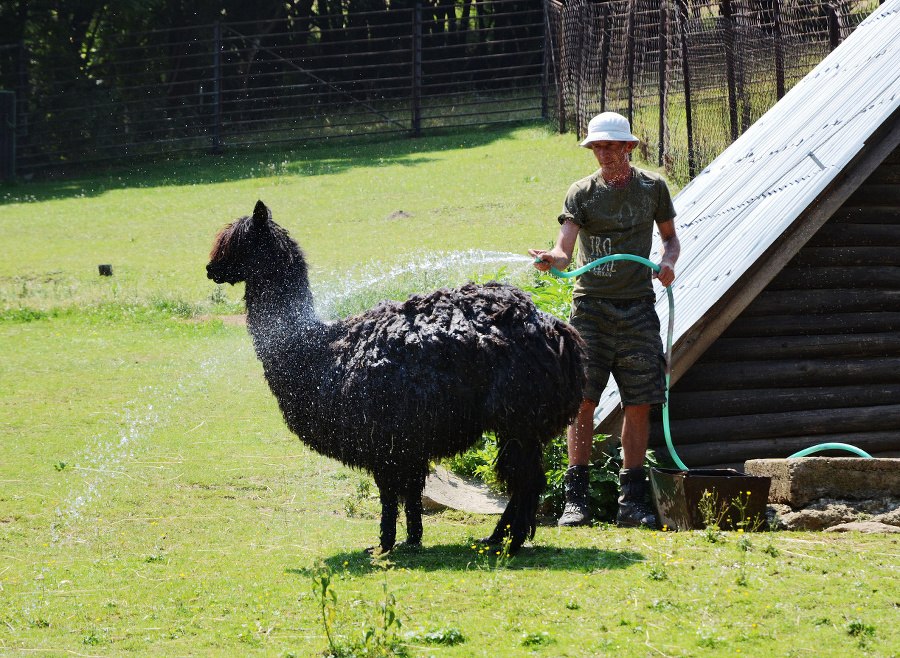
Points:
(665, 410)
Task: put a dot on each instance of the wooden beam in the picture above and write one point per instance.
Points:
(783, 348)
(745, 375)
(814, 325)
(875, 195)
(696, 455)
(834, 234)
(851, 276)
(886, 174)
(813, 422)
(867, 215)
(814, 256)
(842, 300)
(717, 404)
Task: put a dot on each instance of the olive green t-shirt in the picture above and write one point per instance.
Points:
(615, 221)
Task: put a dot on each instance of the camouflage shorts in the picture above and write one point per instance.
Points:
(622, 338)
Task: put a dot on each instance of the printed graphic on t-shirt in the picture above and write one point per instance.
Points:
(600, 248)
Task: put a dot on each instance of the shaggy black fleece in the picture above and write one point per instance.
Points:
(406, 383)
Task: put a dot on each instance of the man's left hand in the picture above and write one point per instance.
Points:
(666, 274)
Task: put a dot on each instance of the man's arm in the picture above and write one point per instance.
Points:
(561, 254)
(671, 251)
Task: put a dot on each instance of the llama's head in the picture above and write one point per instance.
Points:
(253, 248)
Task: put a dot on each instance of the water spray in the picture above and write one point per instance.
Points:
(671, 330)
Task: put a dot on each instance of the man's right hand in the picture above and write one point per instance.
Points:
(543, 259)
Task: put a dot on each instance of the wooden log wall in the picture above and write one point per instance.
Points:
(815, 358)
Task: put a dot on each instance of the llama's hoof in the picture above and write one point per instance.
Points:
(496, 549)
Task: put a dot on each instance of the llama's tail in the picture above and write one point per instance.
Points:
(571, 357)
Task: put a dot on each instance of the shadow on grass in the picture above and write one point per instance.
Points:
(463, 557)
(317, 158)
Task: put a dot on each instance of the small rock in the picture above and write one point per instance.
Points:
(867, 527)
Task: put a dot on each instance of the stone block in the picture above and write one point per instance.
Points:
(797, 482)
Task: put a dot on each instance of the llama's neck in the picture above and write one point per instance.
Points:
(280, 313)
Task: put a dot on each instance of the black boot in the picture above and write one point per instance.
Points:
(633, 509)
(578, 510)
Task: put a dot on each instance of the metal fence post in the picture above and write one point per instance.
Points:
(729, 67)
(779, 49)
(686, 74)
(7, 135)
(545, 63)
(217, 76)
(604, 54)
(834, 25)
(663, 77)
(629, 46)
(558, 76)
(22, 105)
(579, 117)
(417, 71)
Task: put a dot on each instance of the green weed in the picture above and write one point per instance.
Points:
(862, 632)
(657, 572)
(478, 462)
(380, 636)
(326, 598)
(536, 639)
(449, 636)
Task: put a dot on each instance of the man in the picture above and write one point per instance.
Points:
(613, 211)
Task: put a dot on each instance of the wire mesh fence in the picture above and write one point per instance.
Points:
(406, 70)
(691, 75)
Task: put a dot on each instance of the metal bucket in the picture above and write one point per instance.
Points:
(694, 499)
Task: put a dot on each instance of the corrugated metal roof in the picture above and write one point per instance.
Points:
(737, 207)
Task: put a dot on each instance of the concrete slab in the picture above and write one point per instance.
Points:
(797, 482)
(445, 489)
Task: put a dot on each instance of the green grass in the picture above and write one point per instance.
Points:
(152, 502)
(487, 189)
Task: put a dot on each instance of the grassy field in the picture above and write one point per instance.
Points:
(350, 205)
(152, 502)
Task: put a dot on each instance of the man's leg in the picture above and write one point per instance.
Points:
(579, 442)
(580, 437)
(633, 509)
(635, 435)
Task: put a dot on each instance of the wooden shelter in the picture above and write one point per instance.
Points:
(788, 290)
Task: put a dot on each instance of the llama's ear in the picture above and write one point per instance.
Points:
(261, 213)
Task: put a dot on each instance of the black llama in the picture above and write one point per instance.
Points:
(403, 384)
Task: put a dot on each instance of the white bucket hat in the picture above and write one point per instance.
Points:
(609, 127)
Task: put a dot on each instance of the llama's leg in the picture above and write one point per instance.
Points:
(389, 507)
(502, 529)
(388, 521)
(520, 466)
(413, 507)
